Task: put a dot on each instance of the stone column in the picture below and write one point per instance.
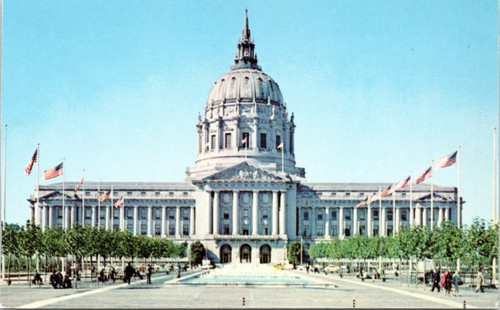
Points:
(51, 214)
(136, 210)
(369, 229)
(92, 220)
(382, 222)
(327, 223)
(177, 222)
(355, 221)
(446, 214)
(121, 219)
(209, 212)
(106, 220)
(163, 211)
(282, 225)
(424, 216)
(236, 217)
(396, 226)
(255, 223)
(341, 222)
(440, 216)
(313, 223)
(149, 220)
(191, 222)
(216, 213)
(275, 213)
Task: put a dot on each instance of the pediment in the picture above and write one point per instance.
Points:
(58, 195)
(244, 172)
(436, 196)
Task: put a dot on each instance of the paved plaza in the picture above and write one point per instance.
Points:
(345, 291)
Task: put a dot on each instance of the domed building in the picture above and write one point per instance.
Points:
(244, 199)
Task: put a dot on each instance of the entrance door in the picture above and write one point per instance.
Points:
(225, 254)
(245, 254)
(265, 254)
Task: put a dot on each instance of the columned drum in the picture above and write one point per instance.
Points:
(265, 254)
(245, 254)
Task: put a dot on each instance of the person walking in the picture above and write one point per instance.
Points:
(447, 282)
(129, 272)
(480, 281)
(149, 271)
(435, 280)
(53, 279)
(456, 283)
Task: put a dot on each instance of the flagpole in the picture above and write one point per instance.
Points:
(38, 185)
(432, 194)
(111, 208)
(2, 216)
(494, 176)
(4, 176)
(381, 224)
(99, 204)
(459, 203)
(394, 221)
(83, 198)
(283, 157)
(63, 206)
(411, 199)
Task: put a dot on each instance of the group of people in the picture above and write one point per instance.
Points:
(130, 272)
(448, 279)
(58, 281)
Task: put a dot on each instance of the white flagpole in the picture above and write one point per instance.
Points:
(459, 203)
(2, 216)
(4, 176)
(38, 186)
(83, 198)
(381, 223)
(99, 203)
(411, 199)
(432, 195)
(283, 157)
(394, 220)
(494, 176)
(110, 225)
(65, 224)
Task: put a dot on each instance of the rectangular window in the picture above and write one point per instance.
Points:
(157, 213)
(171, 230)
(185, 214)
(171, 194)
(245, 140)
(157, 229)
(212, 142)
(347, 194)
(319, 232)
(306, 215)
(347, 230)
(334, 214)
(226, 214)
(87, 194)
(361, 214)
(129, 213)
(227, 141)
(375, 231)
(129, 193)
(362, 229)
(116, 213)
(389, 215)
(157, 194)
(334, 232)
(403, 215)
(347, 214)
(116, 227)
(278, 140)
(320, 215)
(245, 232)
(88, 213)
(403, 194)
(263, 141)
(185, 230)
(143, 213)
(143, 194)
(171, 214)
(226, 229)
(375, 214)
(103, 213)
(144, 229)
(306, 231)
(130, 227)
(59, 212)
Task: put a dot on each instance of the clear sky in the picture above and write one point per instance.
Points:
(378, 88)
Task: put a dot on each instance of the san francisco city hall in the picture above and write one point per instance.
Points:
(244, 198)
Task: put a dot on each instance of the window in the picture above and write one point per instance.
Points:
(212, 142)
(226, 215)
(129, 193)
(278, 140)
(116, 227)
(305, 231)
(403, 215)
(375, 214)
(143, 194)
(320, 215)
(347, 230)
(389, 230)
(143, 213)
(245, 140)
(347, 194)
(403, 194)
(245, 232)
(157, 194)
(144, 229)
(263, 141)
(347, 214)
(116, 213)
(334, 231)
(185, 193)
(88, 213)
(266, 231)
(306, 215)
(157, 213)
(362, 229)
(171, 214)
(375, 231)
(226, 229)
(129, 213)
(334, 214)
(361, 194)
(227, 140)
(389, 215)
(157, 229)
(130, 227)
(361, 214)
(185, 230)
(333, 194)
(171, 194)
(171, 230)
(103, 213)
(87, 194)
(185, 214)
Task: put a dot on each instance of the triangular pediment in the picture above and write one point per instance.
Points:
(245, 172)
(436, 196)
(58, 195)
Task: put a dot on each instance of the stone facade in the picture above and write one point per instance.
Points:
(244, 198)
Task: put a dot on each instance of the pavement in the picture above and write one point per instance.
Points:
(345, 293)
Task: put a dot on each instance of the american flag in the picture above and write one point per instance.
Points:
(119, 202)
(33, 159)
(424, 175)
(374, 197)
(104, 197)
(244, 141)
(363, 202)
(446, 160)
(53, 172)
(404, 183)
(386, 191)
(280, 146)
(78, 186)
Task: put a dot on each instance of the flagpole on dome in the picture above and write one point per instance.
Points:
(432, 195)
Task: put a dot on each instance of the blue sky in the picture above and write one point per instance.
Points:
(378, 88)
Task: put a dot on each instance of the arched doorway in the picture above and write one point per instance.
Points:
(245, 254)
(265, 254)
(225, 254)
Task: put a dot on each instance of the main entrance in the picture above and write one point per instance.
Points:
(265, 254)
(225, 254)
(245, 254)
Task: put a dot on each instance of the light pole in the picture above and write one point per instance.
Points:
(301, 239)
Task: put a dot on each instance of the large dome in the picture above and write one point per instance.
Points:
(245, 85)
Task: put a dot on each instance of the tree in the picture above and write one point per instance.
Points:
(294, 253)
(196, 253)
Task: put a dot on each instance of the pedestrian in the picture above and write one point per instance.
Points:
(148, 274)
(456, 283)
(37, 279)
(480, 281)
(129, 272)
(112, 274)
(447, 282)
(59, 279)
(67, 281)
(53, 279)
(435, 280)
